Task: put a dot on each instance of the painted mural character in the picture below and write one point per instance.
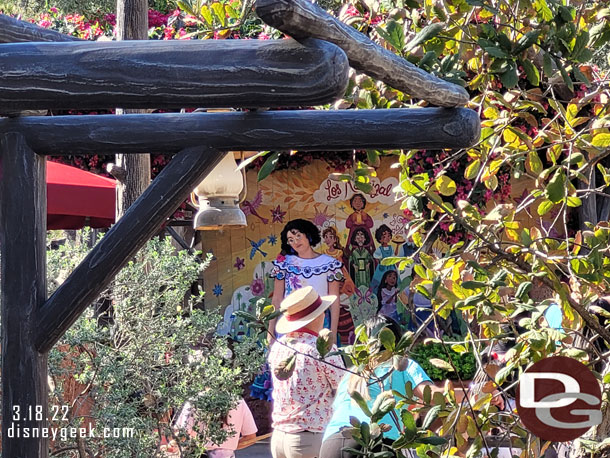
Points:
(298, 265)
(359, 220)
(383, 235)
(361, 260)
(334, 249)
(387, 294)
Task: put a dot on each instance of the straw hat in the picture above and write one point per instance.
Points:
(300, 308)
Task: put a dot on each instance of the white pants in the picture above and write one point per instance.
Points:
(304, 444)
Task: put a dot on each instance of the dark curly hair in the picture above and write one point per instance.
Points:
(351, 201)
(367, 237)
(380, 230)
(307, 228)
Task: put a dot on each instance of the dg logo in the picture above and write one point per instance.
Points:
(559, 399)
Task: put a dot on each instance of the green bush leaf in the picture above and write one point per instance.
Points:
(544, 207)
(555, 189)
(387, 339)
(531, 71)
(425, 34)
(409, 423)
(268, 166)
(393, 34)
(510, 78)
(361, 403)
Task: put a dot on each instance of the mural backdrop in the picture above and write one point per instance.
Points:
(357, 228)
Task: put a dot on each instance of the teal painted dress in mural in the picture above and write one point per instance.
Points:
(299, 272)
(380, 253)
(361, 265)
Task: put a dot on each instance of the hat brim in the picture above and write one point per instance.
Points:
(283, 326)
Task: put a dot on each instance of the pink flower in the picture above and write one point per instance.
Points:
(352, 11)
(168, 33)
(280, 258)
(257, 287)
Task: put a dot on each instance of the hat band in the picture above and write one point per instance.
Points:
(306, 311)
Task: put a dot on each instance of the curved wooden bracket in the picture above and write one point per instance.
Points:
(301, 18)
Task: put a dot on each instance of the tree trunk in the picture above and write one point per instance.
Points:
(587, 212)
(132, 24)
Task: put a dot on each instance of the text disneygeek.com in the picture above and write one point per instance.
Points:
(16, 431)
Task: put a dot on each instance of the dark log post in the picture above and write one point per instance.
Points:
(305, 130)
(141, 221)
(132, 24)
(23, 212)
(301, 19)
(14, 30)
(170, 74)
(132, 19)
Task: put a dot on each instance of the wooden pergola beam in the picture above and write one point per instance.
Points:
(321, 130)
(302, 19)
(23, 221)
(170, 74)
(141, 221)
(14, 31)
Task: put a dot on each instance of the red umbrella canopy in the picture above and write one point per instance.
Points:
(76, 198)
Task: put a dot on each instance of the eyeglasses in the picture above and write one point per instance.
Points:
(294, 238)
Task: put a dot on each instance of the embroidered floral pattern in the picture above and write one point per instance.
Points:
(304, 401)
(287, 265)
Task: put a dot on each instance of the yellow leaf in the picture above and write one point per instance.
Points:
(491, 183)
(509, 136)
(512, 230)
(534, 163)
(445, 185)
(472, 170)
(601, 140)
(491, 113)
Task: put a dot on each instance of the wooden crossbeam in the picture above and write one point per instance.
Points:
(170, 74)
(141, 221)
(321, 130)
(15, 31)
(301, 19)
(23, 221)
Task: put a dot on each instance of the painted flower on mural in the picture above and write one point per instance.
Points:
(257, 287)
(278, 215)
(272, 239)
(217, 291)
(240, 263)
(321, 218)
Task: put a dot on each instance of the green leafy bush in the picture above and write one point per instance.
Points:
(465, 363)
(158, 351)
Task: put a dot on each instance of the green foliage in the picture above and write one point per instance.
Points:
(465, 362)
(159, 351)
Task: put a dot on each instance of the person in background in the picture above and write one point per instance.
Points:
(303, 385)
(369, 388)
(299, 265)
(239, 420)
